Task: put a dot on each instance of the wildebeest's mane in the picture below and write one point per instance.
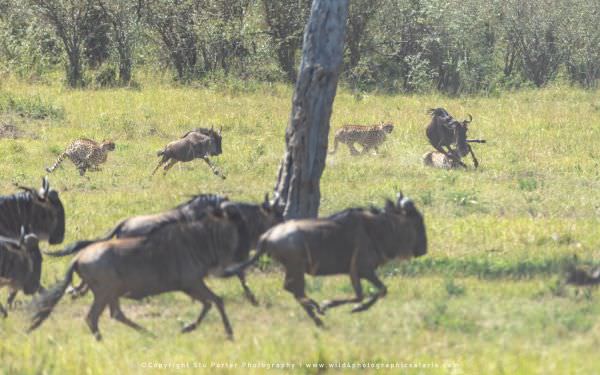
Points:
(352, 210)
(16, 197)
(205, 131)
(209, 198)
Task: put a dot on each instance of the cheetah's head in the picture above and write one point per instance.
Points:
(108, 145)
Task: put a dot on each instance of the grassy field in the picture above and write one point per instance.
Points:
(488, 298)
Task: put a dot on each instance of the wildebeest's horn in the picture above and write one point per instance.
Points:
(399, 197)
(470, 118)
(22, 237)
(266, 203)
(45, 186)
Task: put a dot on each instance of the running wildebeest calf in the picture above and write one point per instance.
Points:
(20, 264)
(251, 221)
(175, 257)
(40, 211)
(445, 131)
(355, 241)
(196, 144)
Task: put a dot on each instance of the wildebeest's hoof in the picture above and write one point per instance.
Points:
(360, 308)
(319, 322)
(98, 336)
(189, 328)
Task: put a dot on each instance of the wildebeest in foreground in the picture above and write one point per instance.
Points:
(445, 131)
(355, 241)
(251, 221)
(196, 144)
(175, 257)
(40, 211)
(20, 264)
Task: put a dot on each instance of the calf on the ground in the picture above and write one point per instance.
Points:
(20, 265)
(174, 257)
(436, 159)
(196, 144)
(354, 242)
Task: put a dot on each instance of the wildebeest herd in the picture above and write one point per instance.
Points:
(176, 250)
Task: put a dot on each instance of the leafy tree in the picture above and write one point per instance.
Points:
(68, 19)
(124, 17)
(285, 20)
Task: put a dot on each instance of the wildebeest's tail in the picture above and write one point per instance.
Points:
(73, 248)
(45, 304)
(261, 248)
(76, 247)
(59, 160)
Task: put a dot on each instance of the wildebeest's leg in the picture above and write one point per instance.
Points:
(117, 314)
(11, 298)
(475, 161)
(213, 168)
(382, 291)
(93, 315)
(206, 305)
(169, 165)
(160, 163)
(201, 293)
(294, 283)
(2, 311)
(355, 279)
(247, 292)
(451, 154)
(79, 290)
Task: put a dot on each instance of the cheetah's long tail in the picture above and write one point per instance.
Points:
(60, 159)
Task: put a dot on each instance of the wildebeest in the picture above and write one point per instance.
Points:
(199, 143)
(20, 264)
(40, 211)
(583, 277)
(177, 256)
(251, 221)
(445, 131)
(355, 241)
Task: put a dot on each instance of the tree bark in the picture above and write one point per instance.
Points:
(307, 133)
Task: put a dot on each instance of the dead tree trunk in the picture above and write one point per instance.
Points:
(306, 136)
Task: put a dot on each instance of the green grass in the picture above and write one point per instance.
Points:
(488, 297)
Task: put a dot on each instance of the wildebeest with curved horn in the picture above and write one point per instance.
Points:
(254, 220)
(355, 241)
(20, 264)
(199, 143)
(177, 256)
(445, 131)
(40, 211)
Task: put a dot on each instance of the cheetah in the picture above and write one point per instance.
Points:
(369, 137)
(85, 154)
